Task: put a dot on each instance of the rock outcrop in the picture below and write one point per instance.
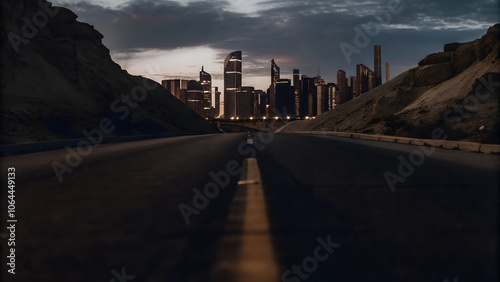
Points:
(456, 90)
(58, 79)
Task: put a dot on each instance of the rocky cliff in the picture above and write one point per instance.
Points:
(456, 90)
(58, 79)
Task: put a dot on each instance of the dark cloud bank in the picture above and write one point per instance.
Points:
(299, 34)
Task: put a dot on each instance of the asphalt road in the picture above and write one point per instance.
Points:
(128, 211)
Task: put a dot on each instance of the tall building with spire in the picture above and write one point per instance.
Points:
(232, 82)
(275, 76)
(206, 85)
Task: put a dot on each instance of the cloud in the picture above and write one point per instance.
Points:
(303, 33)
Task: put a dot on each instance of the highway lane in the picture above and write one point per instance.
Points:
(120, 208)
(440, 223)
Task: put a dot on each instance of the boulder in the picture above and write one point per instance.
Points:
(487, 43)
(436, 58)
(430, 75)
(450, 47)
(463, 57)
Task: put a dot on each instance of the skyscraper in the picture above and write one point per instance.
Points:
(217, 102)
(275, 76)
(285, 99)
(275, 72)
(297, 88)
(314, 98)
(371, 80)
(308, 96)
(342, 87)
(244, 102)
(322, 105)
(260, 103)
(362, 78)
(377, 73)
(351, 84)
(232, 82)
(332, 93)
(194, 97)
(206, 85)
(174, 86)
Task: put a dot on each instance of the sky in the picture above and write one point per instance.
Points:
(167, 39)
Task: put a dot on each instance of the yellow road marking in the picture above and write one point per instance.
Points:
(246, 252)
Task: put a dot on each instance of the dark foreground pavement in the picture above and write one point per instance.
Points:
(119, 208)
(332, 215)
(441, 223)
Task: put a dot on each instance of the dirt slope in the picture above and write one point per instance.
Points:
(456, 90)
(61, 80)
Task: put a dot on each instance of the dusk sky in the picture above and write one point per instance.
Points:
(173, 39)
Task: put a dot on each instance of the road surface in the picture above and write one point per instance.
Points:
(320, 210)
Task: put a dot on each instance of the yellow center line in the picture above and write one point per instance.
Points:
(246, 252)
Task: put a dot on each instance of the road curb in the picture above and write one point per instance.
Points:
(444, 144)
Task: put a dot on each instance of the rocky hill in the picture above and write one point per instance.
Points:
(456, 90)
(58, 79)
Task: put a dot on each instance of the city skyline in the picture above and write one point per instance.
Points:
(296, 34)
(290, 97)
